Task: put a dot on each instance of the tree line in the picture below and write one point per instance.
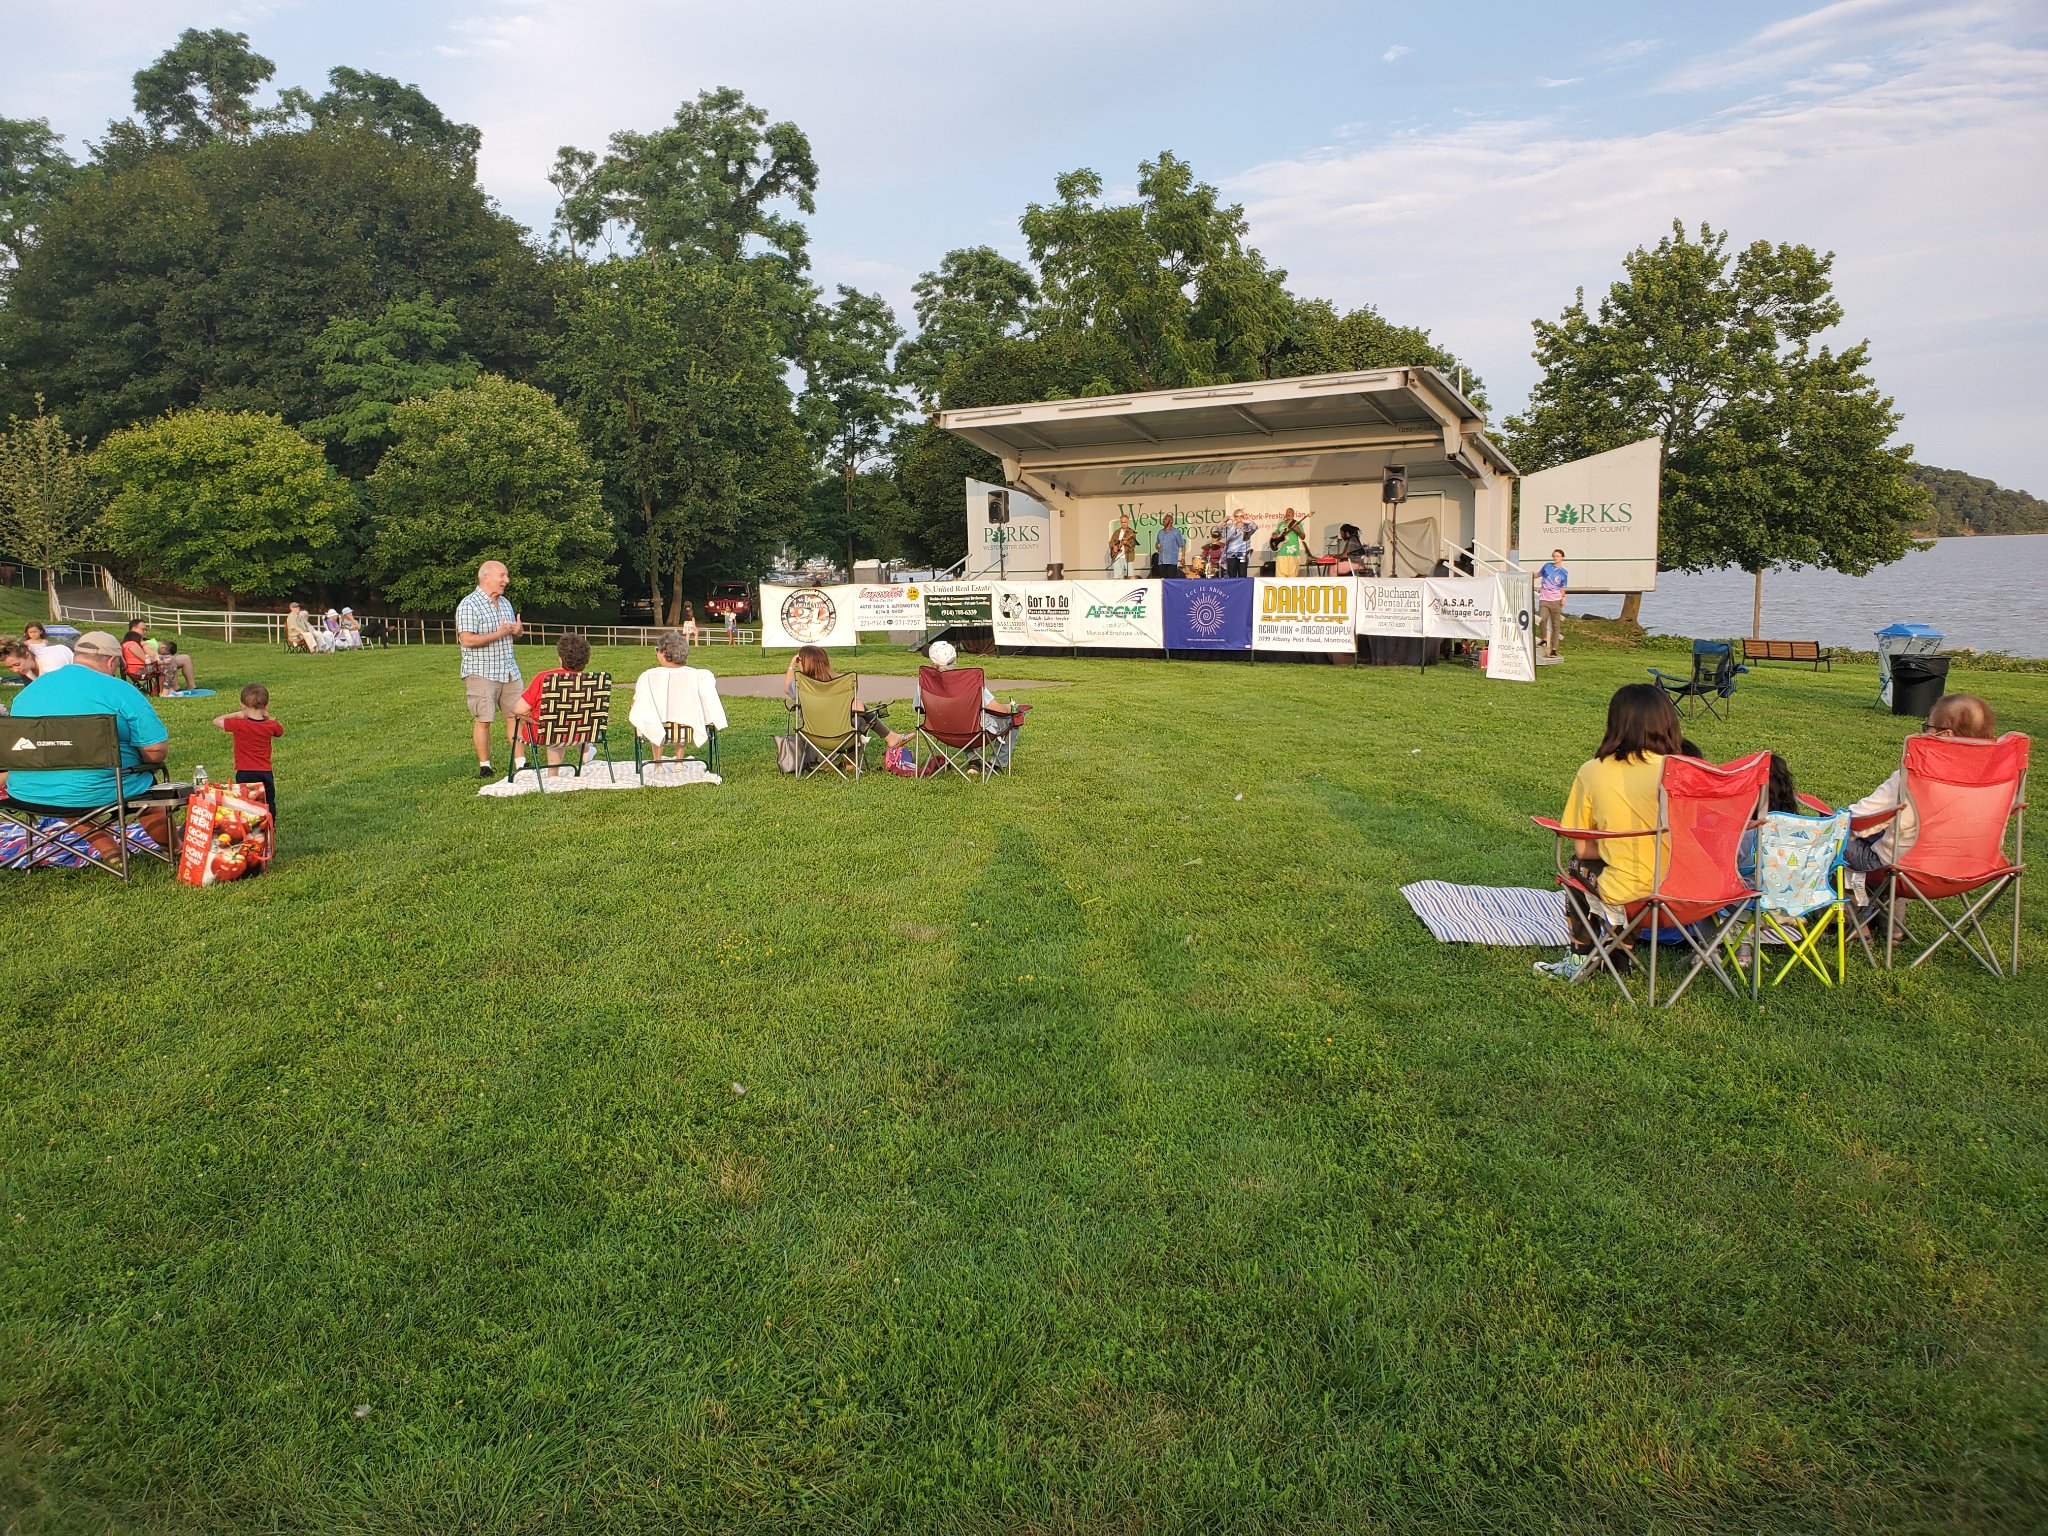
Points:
(250, 350)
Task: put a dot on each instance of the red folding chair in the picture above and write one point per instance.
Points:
(1964, 795)
(950, 723)
(1696, 885)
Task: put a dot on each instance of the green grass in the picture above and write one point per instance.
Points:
(1116, 1153)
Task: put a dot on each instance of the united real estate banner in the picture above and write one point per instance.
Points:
(947, 603)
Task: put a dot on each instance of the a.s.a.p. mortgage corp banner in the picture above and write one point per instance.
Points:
(1389, 607)
(1458, 607)
(1116, 613)
(792, 616)
(1305, 614)
(1034, 612)
(896, 606)
(1208, 615)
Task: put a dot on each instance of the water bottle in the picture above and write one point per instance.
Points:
(199, 777)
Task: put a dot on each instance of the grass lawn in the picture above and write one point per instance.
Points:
(1116, 1152)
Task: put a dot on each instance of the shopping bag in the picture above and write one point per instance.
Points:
(227, 834)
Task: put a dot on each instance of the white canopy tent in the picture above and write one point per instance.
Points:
(1317, 445)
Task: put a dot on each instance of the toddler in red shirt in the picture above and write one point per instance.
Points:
(252, 731)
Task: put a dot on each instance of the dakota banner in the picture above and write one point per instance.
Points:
(1208, 615)
(1306, 614)
(793, 616)
(1511, 651)
(1033, 613)
(1390, 608)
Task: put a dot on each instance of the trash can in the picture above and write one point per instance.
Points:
(1917, 681)
(1896, 640)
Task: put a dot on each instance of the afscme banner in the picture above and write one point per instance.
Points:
(1127, 614)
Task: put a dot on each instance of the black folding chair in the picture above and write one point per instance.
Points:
(51, 743)
(1712, 683)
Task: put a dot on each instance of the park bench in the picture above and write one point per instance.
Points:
(1788, 650)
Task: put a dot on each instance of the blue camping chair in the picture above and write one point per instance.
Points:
(1714, 670)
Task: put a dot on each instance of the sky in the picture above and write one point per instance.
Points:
(1465, 170)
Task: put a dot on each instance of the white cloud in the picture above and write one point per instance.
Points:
(1398, 51)
(1919, 179)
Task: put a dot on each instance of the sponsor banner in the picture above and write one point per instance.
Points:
(1458, 607)
(1511, 649)
(793, 616)
(1602, 512)
(1390, 607)
(1307, 614)
(1116, 613)
(1033, 612)
(888, 607)
(947, 603)
(1028, 542)
(1208, 615)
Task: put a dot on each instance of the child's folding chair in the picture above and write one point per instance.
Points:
(1800, 894)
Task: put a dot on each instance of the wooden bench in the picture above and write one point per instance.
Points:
(1788, 650)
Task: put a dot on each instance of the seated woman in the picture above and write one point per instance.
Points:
(1616, 791)
(1961, 715)
(1350, 552)
(138, 660)
(17, 657)
(674, 693)
(348, 635)
(174, 667)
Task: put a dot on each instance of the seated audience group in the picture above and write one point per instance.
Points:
(318, 634)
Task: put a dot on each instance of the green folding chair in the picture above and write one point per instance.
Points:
(826, 723)
(55, 742)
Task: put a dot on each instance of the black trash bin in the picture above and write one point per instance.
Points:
(1917, 681)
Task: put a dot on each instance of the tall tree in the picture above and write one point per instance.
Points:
(975, 298)
(225, 502)
(1775, 448)
(34, 173)
(1169, 277)
(494, 471)
(413, 348)
(851, 404)
(358, 98)
(1319, 340)
(673, 372)
(204, 276)
(49, 505)
(202, 87)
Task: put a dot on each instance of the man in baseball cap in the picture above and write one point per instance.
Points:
(93, 685)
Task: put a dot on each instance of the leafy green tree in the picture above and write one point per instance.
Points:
(34, 173)
(358, 98)
(1775, 449)
(1319, 340)
(673, 372)
(49, 505)
(493, 471)
(369, 367)
(204, 276)
(1169, 277)
(974, 299)
(225, 502)
(202, 87)
(851, 404)
(1963, 504)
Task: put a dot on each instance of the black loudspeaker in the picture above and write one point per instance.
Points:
(999, 506)
(1394, 484)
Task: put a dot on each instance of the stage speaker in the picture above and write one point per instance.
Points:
(999, 506)
(1394, 484)
(1057, 571)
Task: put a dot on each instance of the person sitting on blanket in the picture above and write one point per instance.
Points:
(173, 664)
(573, 652)
(675, 693)
(1616, 791)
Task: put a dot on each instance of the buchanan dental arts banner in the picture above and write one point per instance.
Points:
(1313, 613)
(1390, 608)
(1208, 615)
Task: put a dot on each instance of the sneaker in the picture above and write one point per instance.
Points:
(486, 771)
(1570, 968)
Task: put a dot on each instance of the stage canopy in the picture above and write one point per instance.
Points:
(1318, 443)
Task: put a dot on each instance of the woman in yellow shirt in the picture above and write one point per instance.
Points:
(1617, 792)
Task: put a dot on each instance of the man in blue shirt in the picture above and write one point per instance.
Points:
(1168, 547)
(91, 686)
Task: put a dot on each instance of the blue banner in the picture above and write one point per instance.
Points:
(1208, 615)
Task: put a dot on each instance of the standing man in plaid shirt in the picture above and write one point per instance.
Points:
(485, 625)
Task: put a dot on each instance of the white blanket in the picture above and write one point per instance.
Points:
(602, 775)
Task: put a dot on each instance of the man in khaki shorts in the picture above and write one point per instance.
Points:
(485, 625)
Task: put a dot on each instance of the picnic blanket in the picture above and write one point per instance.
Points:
(1484, 914)
(62, 853)
(603, 775)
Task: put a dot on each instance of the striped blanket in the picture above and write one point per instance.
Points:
(1482, 914)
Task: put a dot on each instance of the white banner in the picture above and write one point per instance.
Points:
(1511, 651)
(1389, 607)
(793, 616)
(1034, 613)
(1116, 613)
(1312, 614)
(1602, 512)
(1458, 607)
(888, 607)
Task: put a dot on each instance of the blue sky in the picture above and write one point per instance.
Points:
(1465, 170)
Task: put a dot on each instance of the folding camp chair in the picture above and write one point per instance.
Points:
(1696, 887)
(827, 725)
(575, 712)
(1800, 892)
(682, 704)
(674, 735)
(1712, 683)
(1964, 795)
(950, 722)
(51, 742)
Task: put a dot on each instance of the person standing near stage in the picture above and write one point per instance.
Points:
(484, 626)
(1551, 583)
(1123, 547)
(1287, 546)
(1238, 532)
(1168, 548)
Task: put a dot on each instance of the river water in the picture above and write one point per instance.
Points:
(1983, 594)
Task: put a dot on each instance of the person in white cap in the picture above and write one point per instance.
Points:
(350, 635)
